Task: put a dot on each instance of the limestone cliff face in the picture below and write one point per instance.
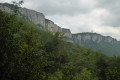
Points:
(39, 19)
(51, 26)
(67, 34)
(31, 15)
(36, 18)
(93, 37)
(110, 40)
(6, 7)
(77, 38)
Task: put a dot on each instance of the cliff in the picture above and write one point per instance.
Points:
(67, 34)
(31, 15)
(39, 19)
(51, 26)
(94, 37)
(36, 18)
(89, 40)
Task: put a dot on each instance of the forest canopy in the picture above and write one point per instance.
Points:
(28, 53)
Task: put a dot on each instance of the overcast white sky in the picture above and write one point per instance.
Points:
(100, 16)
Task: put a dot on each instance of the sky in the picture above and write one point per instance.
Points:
(98, 16)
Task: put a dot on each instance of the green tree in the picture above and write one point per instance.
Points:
(21, 56)
(112, 74)
(17, 6)
(84, 75)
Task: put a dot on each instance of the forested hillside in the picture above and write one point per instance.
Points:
(104, 44)
(27, 53)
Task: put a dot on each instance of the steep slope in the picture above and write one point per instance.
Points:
(94, 41)
(36, 18)
(28, 53)
(97, 42)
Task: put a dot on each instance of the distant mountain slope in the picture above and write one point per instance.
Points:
(97, 42)
(94, 41)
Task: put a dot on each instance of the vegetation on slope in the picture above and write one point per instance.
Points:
(103, 47)
(27, 53)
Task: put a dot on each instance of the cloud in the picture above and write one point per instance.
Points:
(86, 21)
(113, 7)
(3, 1)
(61, 7)
(101, 16)
(108, 31)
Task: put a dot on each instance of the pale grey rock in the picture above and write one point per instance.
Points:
(77, 38)
(31, 15)
(86, 37)
(97, 38)
(110, 40)
(51, 26)
(5, 8)
(67, 34)
(59, 29)
(93, 37)
(39, 20)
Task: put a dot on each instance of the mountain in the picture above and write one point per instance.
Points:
(97, 42)
(29, 53)
(33, 16)
(94, 41)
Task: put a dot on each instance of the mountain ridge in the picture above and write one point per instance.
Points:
(44, 22)
(39, 19)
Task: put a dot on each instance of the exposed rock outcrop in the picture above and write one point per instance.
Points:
(6, 7)
(39, 20)
(31, 15)
(51, 26)
(94, 37)
(67, 34)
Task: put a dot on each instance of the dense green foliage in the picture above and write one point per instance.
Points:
(27, 53)
(108, 49)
